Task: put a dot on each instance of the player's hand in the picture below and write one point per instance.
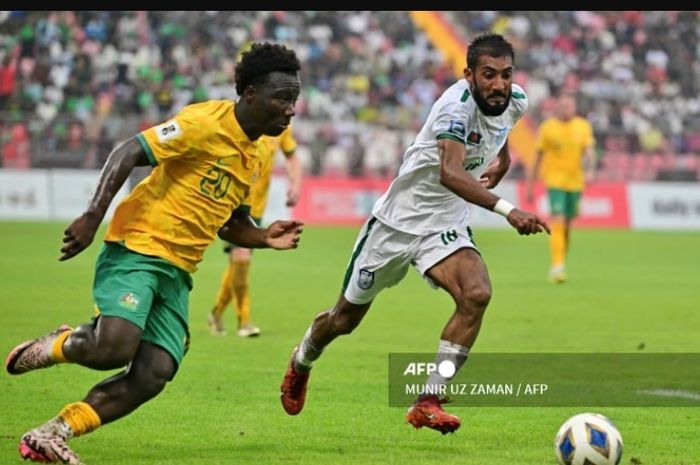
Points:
(283, 234)
(493, 175)
(527, 223)
(78, 235)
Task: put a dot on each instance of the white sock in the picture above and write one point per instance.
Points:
(56, 427)
(308, 351)
(454, 356)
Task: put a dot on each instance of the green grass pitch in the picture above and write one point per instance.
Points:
(626, 290)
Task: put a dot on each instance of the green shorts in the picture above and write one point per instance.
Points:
(229, 246)
(148, 291)
(564, 203)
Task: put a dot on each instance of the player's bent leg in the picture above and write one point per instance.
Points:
(464, 276)
(223, 298)
(37, 353)
(341, 319)
(428, 412)
(241, 261)
(108, 343)
(146, 376)
(110, 400)
(370, 270)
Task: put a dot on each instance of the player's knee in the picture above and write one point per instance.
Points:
(152, 386)
(87, 349)
(151, 381)
(108, 356)
(474, 301)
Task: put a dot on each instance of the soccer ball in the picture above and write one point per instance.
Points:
(588, 439)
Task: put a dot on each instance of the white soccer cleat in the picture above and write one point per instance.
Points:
(248, 330)
(557, 275)
(33, 354)
(43, 447)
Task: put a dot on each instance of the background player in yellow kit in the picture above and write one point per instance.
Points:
(235, 282)
(205, 163)
(565, 145)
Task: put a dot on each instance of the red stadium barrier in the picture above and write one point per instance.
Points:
(348, 201)
(338, 200)
(602, 204)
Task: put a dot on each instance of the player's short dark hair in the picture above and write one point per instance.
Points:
(494, 45)
(260, 60)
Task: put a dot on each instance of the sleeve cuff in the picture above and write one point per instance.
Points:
(147, 148)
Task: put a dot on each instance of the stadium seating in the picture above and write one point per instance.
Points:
(113, 72)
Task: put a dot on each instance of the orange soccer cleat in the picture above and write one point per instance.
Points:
(294, 387)
(428, 412)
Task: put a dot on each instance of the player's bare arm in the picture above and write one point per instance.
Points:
(294, 174)
(119, 165)
(242, 231)
(454, 177)
(495, 172)
(589, 163)
(532, 178)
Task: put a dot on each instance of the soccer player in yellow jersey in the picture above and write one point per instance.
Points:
(234, 282)
(206, 163)
(565, 145)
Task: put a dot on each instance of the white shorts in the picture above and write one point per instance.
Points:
(381, 257)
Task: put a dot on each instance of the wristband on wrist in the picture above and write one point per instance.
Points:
(503, 207)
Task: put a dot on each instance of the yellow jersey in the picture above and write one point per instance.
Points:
(563, 145)
(204, 168)
(266, 152)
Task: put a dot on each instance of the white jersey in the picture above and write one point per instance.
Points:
(416, 202)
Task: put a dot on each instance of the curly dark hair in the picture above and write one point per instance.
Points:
(257, 63)
(494, 45)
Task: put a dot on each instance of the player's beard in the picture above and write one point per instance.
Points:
(485, 107)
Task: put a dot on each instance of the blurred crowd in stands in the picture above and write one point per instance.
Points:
(74, 83)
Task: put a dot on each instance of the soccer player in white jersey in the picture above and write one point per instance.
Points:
(423, 220)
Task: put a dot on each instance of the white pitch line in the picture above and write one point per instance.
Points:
(672, 393)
